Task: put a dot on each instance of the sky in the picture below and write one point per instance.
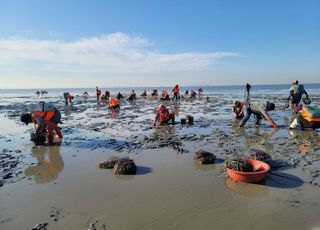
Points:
(111, 43)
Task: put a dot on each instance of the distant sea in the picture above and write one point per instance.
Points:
(283, 89)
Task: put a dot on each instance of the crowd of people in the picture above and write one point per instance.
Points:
(41, 92)
(46, 117)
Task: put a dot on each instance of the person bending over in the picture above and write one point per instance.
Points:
(193, 94)
(46, 117)
(154, 93)
(68, 98)
(144, 93)
(114, 103)
(132, 96)
(260, 110)
(165, 95)
(119, 96)
(237, 109)
(163, 115)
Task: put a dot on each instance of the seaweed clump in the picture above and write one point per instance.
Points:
(239, 165)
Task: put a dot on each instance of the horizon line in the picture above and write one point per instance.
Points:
(184, 86)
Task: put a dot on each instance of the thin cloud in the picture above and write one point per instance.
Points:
(114, 53)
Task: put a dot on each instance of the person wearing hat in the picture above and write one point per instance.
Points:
(296, 92)
(237, 109)
(163, 115)
(46, 117)
(260, 110)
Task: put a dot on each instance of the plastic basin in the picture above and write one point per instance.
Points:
(260, 171)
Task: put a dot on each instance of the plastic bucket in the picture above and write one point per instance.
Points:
(260, 171)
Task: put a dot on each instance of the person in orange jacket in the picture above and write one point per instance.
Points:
(175, 92)
(163, 115)
(46, 117)
(68, 98)
(113, 103)
(165, 95)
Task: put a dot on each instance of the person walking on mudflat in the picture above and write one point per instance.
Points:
(175, 92)
(296, 92)
(98, 93)
(259, 109)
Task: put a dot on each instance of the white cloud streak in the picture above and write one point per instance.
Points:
(112, 53)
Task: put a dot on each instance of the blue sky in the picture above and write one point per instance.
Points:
(158, 43)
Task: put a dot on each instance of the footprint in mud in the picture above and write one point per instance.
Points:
(42, 226)
(56, 214)
(96, 225)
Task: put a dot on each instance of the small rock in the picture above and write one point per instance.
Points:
(109, 164)
(125, 166)
(204, 157)
(260, 155)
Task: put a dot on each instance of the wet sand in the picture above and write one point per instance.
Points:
(62, 186)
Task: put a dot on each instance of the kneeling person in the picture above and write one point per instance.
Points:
(113, 103)
(237, 109)
(163, 115)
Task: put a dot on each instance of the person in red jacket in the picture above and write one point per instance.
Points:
(237, 109)
(163, 115)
